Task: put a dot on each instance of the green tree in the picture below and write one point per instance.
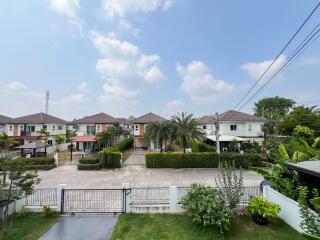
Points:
(186, 129)
(273, 109)
(44, 134)
(302, 132)
(161, 131)
(20, 183)
(304, 116)
(59, 139)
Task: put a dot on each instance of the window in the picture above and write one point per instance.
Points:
(90, 130)
(50, 142)
(10, 128)
(53, 127)
(44, 127)
(98, 127)
(250, 127)
(156, 144)
(136, 127)
(204, 127)
(31, 129)
(233, 127)
(59, 127)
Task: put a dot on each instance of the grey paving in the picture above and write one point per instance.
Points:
(82, 227)
(135, 175)
(136, 158)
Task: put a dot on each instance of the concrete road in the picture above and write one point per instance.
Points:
(136, 158)
(82, 227)
(136, 176)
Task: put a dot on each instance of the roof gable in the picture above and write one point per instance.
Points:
(149, 117)
(232, 115)
(97, 118)
(5, 119)
(38, 118)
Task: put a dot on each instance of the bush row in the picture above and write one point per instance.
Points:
(125, 144)
(39, 163)
(201, 160)
(106, 159)
(202, 147)
(95, 166)
(110, 159)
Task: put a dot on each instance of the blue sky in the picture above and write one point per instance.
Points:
(130, 57)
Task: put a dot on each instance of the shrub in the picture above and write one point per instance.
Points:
(205, 206)
(125, 144)
(39, 167)
(95, 166)
(263, 210)
(201, 160)
(230, 184)
(22, 212)
(88, 160)
(46, 210)
(202, 147)
(110, 159)
(35, 161)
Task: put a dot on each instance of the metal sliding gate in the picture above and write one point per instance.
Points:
(93, 200)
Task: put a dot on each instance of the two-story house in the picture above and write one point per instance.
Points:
(28, 128)
(233, 125)
(4, 123)
(139, 128)
(88, 128)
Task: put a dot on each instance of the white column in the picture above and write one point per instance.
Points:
(59, 195)
(126, 186)
(173, 198)
(56, 159)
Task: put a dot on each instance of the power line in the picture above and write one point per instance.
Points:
(287, 63)
(277, 57)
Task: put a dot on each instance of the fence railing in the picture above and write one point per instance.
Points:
(43, 196)
(150, 199)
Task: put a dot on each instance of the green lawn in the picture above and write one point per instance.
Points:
(173, 226)
(31, 227)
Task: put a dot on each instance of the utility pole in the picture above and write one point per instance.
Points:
(217, 127)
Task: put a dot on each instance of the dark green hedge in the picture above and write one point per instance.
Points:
(89, 160)
(125, 144)
(35, 161)
(202, 147)
(201, 160)
(39, 163)
(95, 166)
(110, 159)
(39, 167)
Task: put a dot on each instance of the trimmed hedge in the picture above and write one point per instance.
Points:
(88, 160)
(201, 160)
(202, 147)
(39, 163)
(110, 159)
(95, 166)
(116, 160)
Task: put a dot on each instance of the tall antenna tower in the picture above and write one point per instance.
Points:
(47, 101)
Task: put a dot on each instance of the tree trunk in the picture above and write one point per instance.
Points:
(161, 147)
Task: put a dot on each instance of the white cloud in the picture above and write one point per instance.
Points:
(122, 8)
(69, 101)
(83, 87)
(310, 60)
(123, 63)
(172, 107)
(127, 26)
(20, 89)
(70, 9)
(256, 69)
(200, 84)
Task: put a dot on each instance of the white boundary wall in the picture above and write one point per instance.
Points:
(289, 208)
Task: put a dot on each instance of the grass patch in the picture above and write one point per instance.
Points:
(177, 227)
(31, 227)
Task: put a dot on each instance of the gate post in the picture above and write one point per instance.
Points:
(173, 199)
(60, 197)
(126, 197)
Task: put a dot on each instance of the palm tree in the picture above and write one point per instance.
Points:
(158, 131)
(186, 128)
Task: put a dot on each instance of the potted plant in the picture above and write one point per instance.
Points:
(262, 211)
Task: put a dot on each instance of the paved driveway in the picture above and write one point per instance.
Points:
(136, 158)
(82, 227)
(137, 176)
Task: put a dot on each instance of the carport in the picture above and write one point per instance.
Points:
(34, 146)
